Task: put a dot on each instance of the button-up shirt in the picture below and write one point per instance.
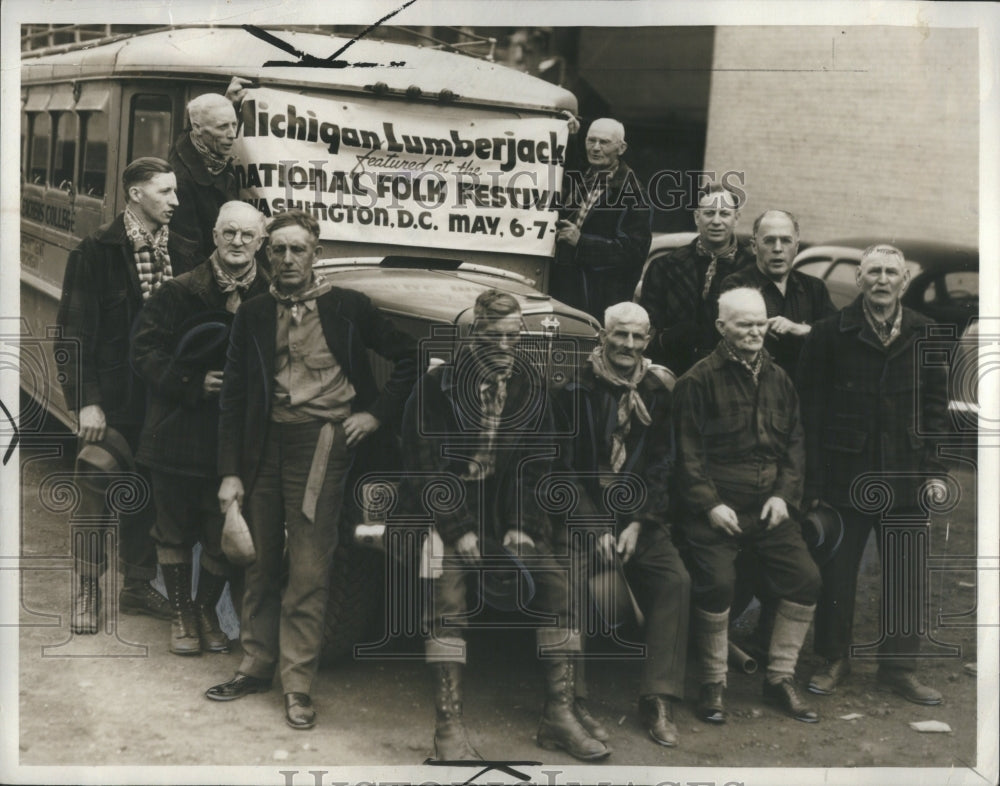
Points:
(308, 380)
(805, 300)
(737, 437)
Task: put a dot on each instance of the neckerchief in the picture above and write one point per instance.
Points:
(596, 181)
(152, 259)
(629, 403)
(728, 253)
(235, 285)
(213, 162)
(887, 330)
(292, 301)
(754, 367)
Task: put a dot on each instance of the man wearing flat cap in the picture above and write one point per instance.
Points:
(108, 278)
(179, 349)
(301, 417)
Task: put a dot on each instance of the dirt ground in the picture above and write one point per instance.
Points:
(137, 705)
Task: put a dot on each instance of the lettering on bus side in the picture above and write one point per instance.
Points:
(51, 215)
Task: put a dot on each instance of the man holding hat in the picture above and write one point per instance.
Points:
(617, 417)
(740, 467)
(483, 420)
(179, 350)
(108, 278)
(868, 404)
(301, 418)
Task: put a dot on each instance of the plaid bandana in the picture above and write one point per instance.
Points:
(753, 368)
(596, 181)
(492, 398)
(213, 162)
(235, 285)
(728, 253)
(887, 330)
(630, 402)
(152, 260)
(292, 302)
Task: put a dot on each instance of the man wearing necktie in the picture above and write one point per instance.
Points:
(604, 236)
(301, 418)
(680, 290)
(179, 349)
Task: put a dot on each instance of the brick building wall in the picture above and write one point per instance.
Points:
(859, 131)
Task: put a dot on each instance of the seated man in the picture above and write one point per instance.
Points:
(476, 420)
(618, 421)
(740, 465)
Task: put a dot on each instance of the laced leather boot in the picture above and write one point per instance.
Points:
(451, 742)
(559, 728)
(184, 624)
(210, 634)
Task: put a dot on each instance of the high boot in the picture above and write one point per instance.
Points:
(210, 633)
(184, 624)
(451, 743)
(87, 605)
(559, 728)
(593, 726)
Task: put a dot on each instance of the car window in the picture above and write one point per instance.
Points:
(962, 285)
(814, 267)
(841, 282)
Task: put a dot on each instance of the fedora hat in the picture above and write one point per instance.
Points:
(507, 583)
(109, 455)
(822, 530)
(611, 594)
(204, 339)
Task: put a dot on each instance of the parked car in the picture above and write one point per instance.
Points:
(944, 281)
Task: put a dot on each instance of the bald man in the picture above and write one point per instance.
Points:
(603, 235)
(179, 350)
(739, 477)
(201, 158)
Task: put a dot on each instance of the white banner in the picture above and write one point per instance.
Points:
(412, 175)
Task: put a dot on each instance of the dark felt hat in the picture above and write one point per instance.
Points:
(507, 584)
(204, 339)
(612, 596)
(822, 530)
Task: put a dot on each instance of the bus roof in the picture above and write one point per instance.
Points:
(217, 53)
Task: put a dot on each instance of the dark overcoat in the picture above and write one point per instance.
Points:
(200, 194)
(869, 408)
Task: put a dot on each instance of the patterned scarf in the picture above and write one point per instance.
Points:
(213, 162)
(630, 402)
(886, 330)
(235, 285)
(152, 259)
(596, 181)
(728, 254)
(752, 367)
(311, 291)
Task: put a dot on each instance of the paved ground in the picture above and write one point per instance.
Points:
(138, 705)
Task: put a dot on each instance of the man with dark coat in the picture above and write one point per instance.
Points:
(179, 349)
(617, 419)
(483, 420)
(740, 467)
(301, 416)
(794, 300)
(202, 159)
(681, 289)
(604, 236)
(108, 278)
(866, 401)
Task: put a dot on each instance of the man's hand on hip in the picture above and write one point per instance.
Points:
(92, 423)
(358, 426)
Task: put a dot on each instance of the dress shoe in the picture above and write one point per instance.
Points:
(657, 714)
(906, 684)
(239, 686)
(139, 597)
(299, 712)
(710, 708)
(825, 681)
(588, 721)
(785, 695)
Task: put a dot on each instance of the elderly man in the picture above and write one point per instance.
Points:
(681, 289)
(300, 409)
(108, 277)
(202, 159)
(618, 418)
(179, 348)
(863, 395)
(740, 467)
(794, 300)
(478, 420)
(604, 235)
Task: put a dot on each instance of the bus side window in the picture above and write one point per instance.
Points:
(93, 153)
(65, 151)
(151, 126)
(25, 127)
(39, 139)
